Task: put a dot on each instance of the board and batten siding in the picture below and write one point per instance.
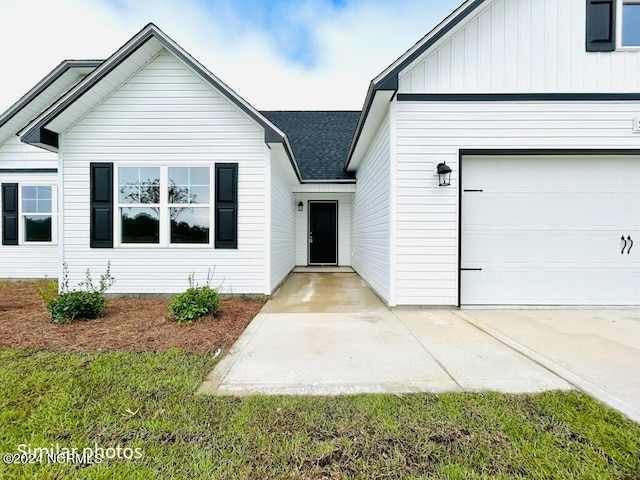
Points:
(283, 220)
(15, 154)
(432, 132)
(515, 46)
(344, 224)
(33, 260)
(166, 114)
(370, 213)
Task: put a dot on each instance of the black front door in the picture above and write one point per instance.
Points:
(323, 233)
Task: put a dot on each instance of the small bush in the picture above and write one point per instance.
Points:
(196, 302)
(87, 303)
(77, 304)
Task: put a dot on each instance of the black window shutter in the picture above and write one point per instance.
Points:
(226, 207)
(10, 214)
(601, 25)
(101, 226)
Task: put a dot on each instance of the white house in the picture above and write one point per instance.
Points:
(163, 170)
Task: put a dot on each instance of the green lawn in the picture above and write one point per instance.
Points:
(146, 401)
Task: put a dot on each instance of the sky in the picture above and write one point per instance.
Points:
(276, 54)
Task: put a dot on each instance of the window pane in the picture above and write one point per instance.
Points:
(29, 193)
(189, 185)
(179, 194)
(139, 184)
(29, 206)
(44, 206)
(189, 225)
(129, 194)
(140, 225)
(37, 229)
(179, 175)
(44, 193)
(200, 194)
(128, 175)
(631, 25)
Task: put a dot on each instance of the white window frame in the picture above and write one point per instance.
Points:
(165, 223)
(619, 7)
(54, 214)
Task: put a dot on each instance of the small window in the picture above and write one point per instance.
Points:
(630, 24)
(37, 213)
(139, 204)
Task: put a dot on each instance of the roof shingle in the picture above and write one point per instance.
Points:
(320, 140)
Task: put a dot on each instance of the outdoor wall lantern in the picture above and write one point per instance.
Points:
(444, 173)
(300, 206)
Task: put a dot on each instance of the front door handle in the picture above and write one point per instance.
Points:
(631, 246)
(624, 246)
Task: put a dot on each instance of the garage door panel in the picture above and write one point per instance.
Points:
(546, 230)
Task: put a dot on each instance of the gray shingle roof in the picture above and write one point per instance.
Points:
(320, 140)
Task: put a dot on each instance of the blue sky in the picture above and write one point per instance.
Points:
(277, 54)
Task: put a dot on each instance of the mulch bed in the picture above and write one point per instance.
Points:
(129, 324)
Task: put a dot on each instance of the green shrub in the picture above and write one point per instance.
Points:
(196, 302)
(77, 304)
(86, 303)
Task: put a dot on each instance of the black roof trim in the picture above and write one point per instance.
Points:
(34, 133)
(391, 82)
(41, 136)
(54, 75)
(516, 97)
(546, 151)
(271, 135)
(28, 170)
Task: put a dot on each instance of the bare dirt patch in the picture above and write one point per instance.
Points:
(129, 324)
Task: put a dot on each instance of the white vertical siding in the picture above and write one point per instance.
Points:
(165, 114)
(344, 226)
(370, 214)
(430, 133)
(32, 260)
(15, 154)
(283, 220)
(514, 46)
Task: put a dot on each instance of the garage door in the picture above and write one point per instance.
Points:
(550, 231)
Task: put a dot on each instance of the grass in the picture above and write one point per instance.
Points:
(147, 401)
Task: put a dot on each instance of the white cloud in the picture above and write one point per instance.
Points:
(354, 44)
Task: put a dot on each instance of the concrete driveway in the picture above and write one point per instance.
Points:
(327, 333)
(597, 351)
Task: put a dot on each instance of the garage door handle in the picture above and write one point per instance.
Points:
(631, 246)
(624, 246)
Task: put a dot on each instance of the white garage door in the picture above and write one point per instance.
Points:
(548, 231)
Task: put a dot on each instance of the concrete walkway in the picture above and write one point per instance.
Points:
(328, 333)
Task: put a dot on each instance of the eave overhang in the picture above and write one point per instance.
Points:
(388, 81)
(44, 130)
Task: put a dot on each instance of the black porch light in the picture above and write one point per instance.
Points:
(444, 174)
(300, 206)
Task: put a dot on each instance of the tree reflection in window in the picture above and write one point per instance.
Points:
(139, 188)
(189, 186)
